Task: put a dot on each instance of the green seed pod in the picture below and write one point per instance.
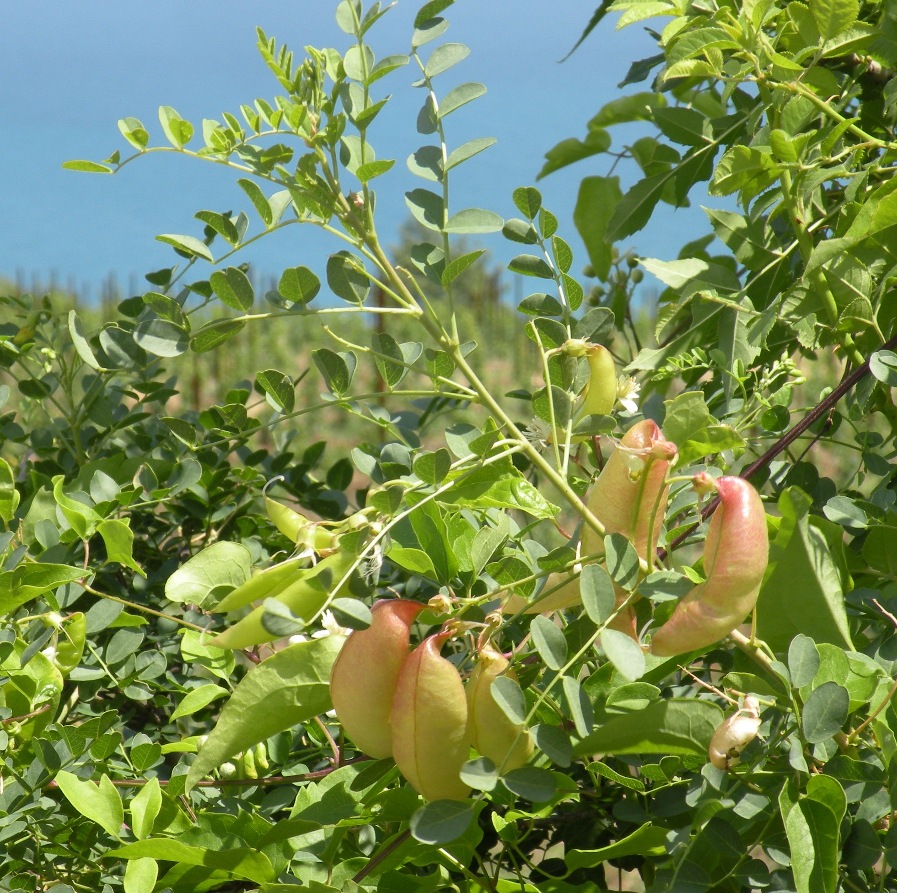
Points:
(304, 594)
(364, 677)
(290, 523)
(736, 553)
(601, 391)
(507, 744)
(429, 723)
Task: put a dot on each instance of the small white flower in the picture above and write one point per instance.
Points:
(331, 627)
(538, 433)
(627, 394)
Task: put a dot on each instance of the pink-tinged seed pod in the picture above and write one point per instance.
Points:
(507, 744)
(429, 723)
(734, 734)
(736, 553)
(622, 499)
(364, 677)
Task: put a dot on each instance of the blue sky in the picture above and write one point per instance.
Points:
(71, 70)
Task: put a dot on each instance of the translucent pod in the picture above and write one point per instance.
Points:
(734, 734)
(623, 499)
(736, 553)
(364, 677)
(429, 723)
(492, 733)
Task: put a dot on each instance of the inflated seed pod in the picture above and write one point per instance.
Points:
(364, 677)
(429, 723)
(601, 393)
(736, 553)
(623, 498)
(734, 734)
(492, 733)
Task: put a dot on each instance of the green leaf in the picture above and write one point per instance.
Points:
(505, 488)
(278, 388)
(337, 369)
(177, 131)
(597, 590)
(351, 613)
(622, 560)
(834, 16)
(554, 743)
(196, 699)
(578, 705)
(202, 577)
(145, 807)
(571, 150)
(430, 10)
(648, 840)
(595, 204)
(134, 132)
(507, 694)
(140, 875)
(531, 783)
(474, 220)
(432, 468)
(298, 285)
(456, 267)
(426, 207)
(119, 541)
(803, 660)
(624, 653)
(883, 365)
(528, 201)
(87, 167)
(80, 342)
(33, 580)
(347, 278)
(222, 225)
(290, 687)
(371, 169)
(239, 862)
(696, 433)
(9, 496)
(803, 591)
(187, 245)
(445, 57)
(257, 197)
(442, 821)
(825, 712)
(812, 832)
(100, 803)
(207, 338)
(634, 209)
(674, 726)
(530, 265)
(549, 642)
(468, 150)
(82, 518)
(233, 288)
(459, 96)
